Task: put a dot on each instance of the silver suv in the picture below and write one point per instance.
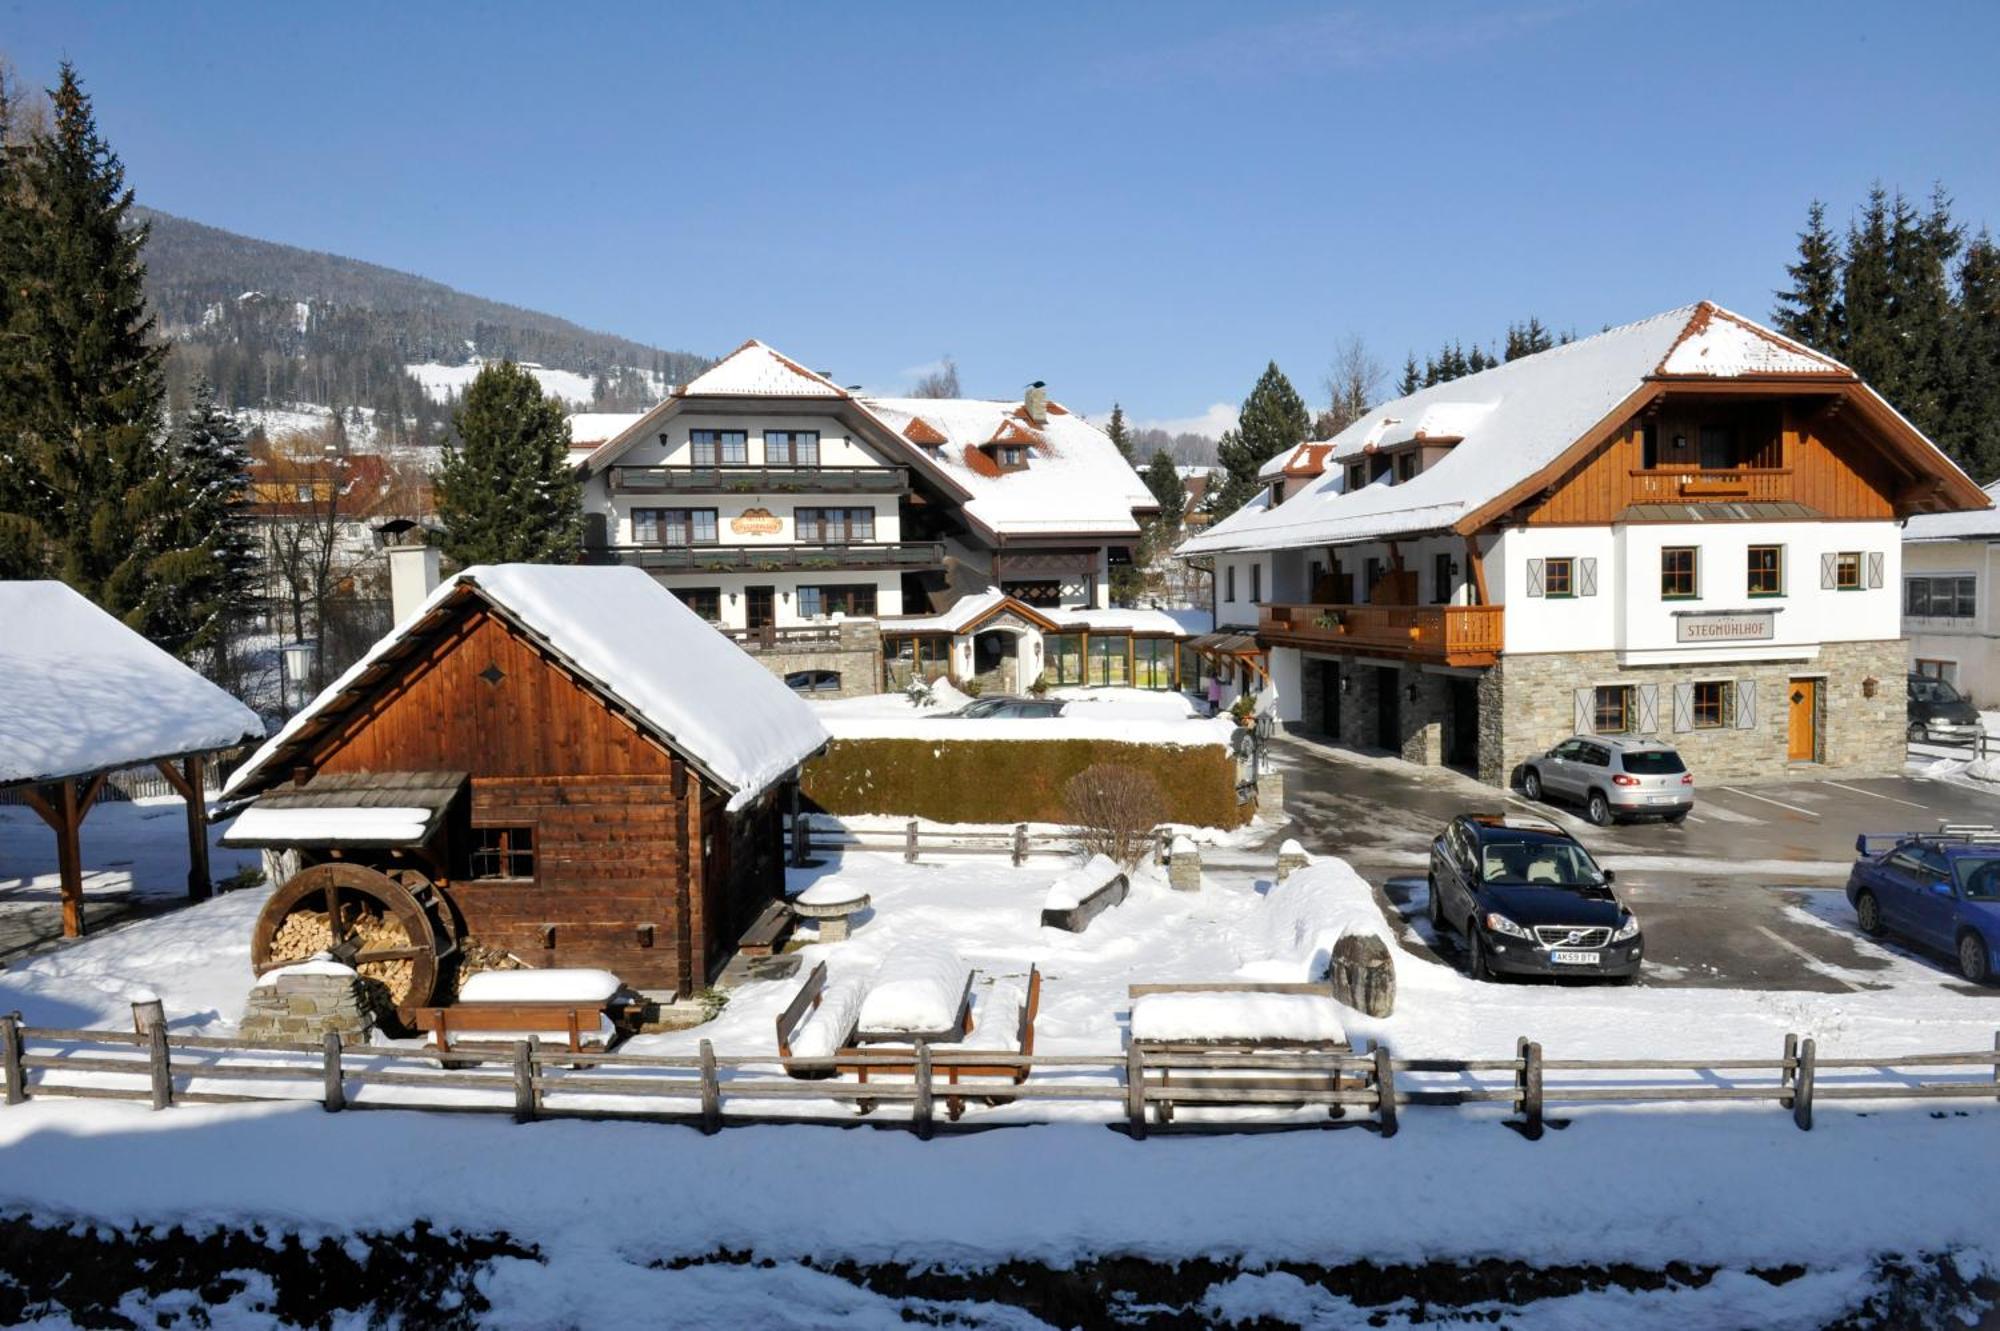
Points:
(1613, 778)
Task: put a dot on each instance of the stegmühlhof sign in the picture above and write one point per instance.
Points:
(1726, 626)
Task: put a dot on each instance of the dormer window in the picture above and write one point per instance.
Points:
(1009, 457)
(1356, 476)
(1406, 467)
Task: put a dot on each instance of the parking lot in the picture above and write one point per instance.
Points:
(1746, 894)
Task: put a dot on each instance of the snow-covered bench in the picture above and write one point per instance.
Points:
(578, 1004)
(1077, 898)
(1177, 1026)
(818, 1023)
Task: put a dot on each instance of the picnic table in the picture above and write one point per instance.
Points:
(1178, 1028)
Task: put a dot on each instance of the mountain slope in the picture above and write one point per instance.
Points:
(274, 326)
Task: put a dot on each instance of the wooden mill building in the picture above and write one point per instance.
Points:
(562, 764)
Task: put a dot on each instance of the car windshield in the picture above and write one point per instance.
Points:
(1978, 877)
(1933, 690)
(1538, 864)
(1654, 762)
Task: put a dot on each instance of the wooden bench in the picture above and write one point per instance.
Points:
(810, 996)
(767, 933)
(1180, 1062)
(579, 1021)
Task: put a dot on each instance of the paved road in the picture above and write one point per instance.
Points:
(1719, 895)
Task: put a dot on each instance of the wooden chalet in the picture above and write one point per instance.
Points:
(83, 697)
(563, 764)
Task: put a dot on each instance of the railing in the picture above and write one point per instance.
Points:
(734, 479)
(535, 1081)
(1658, 485)
(1469, 635)
(770, 638)
(770, 558)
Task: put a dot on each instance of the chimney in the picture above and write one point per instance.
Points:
(413, 576)
(1036, 400)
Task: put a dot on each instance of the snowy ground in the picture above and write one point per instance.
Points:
(612, 1207)
(1957, 763)
(131, 848)
(1136, 715)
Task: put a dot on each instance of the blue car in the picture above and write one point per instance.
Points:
(1938, 889)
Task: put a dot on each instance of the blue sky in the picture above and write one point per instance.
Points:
(1139, 203)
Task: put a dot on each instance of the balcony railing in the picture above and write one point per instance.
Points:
(1459, 635)
(770, 558)
(760, 480)
(1674, 485)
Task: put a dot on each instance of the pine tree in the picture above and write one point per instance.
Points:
(1163, 478)
(1866, 297)
(1811, 310)
(206, 580)
(1272, 420)
(1413, 378)
(1525, 340)
(80, 372)
(507, 493)
(1119, 434)
(1971, 432)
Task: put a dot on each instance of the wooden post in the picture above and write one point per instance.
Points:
(200, 886)
(146, 1014)
(524, 1081)
(910, 842)
(16, 1085)
(163, 1073)
(1020, 844)
(1385, 1091)
(1802, 1093)
(335, 1097)
(1788, 1072)
(1477, 567)
(1531, 1088)
(920, 1109)
(711, 1092)
(801, 832)
(69, 857)
(1135, 1089)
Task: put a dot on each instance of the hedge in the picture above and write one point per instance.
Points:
(1012, 781)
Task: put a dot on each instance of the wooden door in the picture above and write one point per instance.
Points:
(759, 608)
(1802, 720)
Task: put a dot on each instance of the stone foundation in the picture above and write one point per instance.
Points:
(296, 1004)
(856, 657)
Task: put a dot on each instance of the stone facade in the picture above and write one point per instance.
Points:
(856, 657)
(1859, 735)
(304, 1005)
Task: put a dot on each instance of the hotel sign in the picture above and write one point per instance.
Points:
(1741, 626)
(756, 522)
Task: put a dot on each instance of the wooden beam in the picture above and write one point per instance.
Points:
(40, 804)
(1477, 566)
(174, 777)
(90, 794)
(200, 886)
(69, 856)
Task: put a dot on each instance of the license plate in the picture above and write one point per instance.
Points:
(1659, 799)
(1566, 957)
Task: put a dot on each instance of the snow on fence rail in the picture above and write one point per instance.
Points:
(913, 839)
(535, 1081)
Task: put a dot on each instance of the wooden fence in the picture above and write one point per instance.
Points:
(530, 1080)
(913, 840)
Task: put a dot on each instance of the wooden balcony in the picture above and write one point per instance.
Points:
(772, 557)
(737, 479)
(1683, 485)
(1456, 635)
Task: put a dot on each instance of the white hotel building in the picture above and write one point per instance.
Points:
(1687, 527)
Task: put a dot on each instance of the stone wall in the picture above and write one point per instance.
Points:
(857, 656)
(1860, 736)
(307, 1001)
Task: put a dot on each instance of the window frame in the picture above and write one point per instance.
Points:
(1442, 585)
(782, 448)
(719, 446)
(665, 520)
(1963, 591)
(1256, 582)
(1626, 710)
(1841, 560)
(836, 598)
(819, 525)
(694, 599)
(1693, 572)
(1568, 592)
(1722, 712)
(1777, 571)
(505, 855)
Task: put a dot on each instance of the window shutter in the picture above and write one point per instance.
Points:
(1586, 710)
(1534, 577)
(1649, 709)
(1874, 568)
(1683, 707)
(1746, 704)
(1829, 576)
(1586, 576)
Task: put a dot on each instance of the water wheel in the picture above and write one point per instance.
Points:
(394, 930)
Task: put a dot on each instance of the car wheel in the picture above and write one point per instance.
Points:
(1476, 967)
(1531, 784)
(1434, 909)
(1868, 914)
(1598, 810)
(1973, 963)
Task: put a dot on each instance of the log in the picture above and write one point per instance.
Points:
(711, 1092)
(11, 1075)
(335, 1093)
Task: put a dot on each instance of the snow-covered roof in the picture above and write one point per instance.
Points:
(755, 370)
(1076, 480)
(588, 429)
(1976, 524)
(953, 618)
(1515, 420)
(634, 641)
(81, 693)
(1274, 466)
(1127, 621)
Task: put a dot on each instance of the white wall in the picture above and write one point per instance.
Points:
(1971, 645)
(1629, 615)
(1240, 610)
(888, 517)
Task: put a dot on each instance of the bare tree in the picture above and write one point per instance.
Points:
(941, 382)
(304, 496)
(1115, 809)
(1353, 384)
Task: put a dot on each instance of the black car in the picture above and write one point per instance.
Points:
(1940, 714)
(1528, 900)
